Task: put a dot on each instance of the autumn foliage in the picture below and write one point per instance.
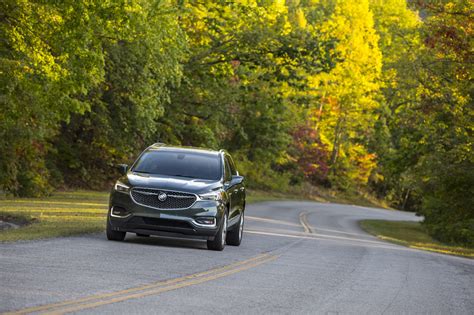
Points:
(311, 155)
(364, 96)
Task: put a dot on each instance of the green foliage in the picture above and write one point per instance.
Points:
(449, 196)
(426, 157)
(414, 235)
(347, 94)
(49, 56)
(355, 95)
(446, 165)
(125, 107)
(61, 62)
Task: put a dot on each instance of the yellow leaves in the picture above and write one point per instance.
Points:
(250, 3)
(198, 11)
(364, 163)
(300, 18)
(284, 71)
(133, 7)
(355, 77)
(286, 30)
(56, 18)
(279, 6)
(449, 6)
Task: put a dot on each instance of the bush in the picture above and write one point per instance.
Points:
(310, 154)
(448, 203)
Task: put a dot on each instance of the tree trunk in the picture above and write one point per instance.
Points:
(336, 143)
(320, 113)
(407, 194)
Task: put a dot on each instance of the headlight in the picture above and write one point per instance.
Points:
(121, 187)
(215, 195)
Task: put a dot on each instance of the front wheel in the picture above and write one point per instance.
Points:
(114, 235)
(218, 243)
(234, 237)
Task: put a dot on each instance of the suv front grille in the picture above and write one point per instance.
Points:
(174, 200)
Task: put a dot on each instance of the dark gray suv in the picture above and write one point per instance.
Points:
(179, 191)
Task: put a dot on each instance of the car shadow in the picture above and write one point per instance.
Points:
(164, 241)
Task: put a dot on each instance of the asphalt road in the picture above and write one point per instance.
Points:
(296, 257)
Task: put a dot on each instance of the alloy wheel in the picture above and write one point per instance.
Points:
(241, 227)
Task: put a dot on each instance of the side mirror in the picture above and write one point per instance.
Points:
(236, 179)
(123, 168)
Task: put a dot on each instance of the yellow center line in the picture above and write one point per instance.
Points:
(149, 289)
(304, 222)
(309, 229)
(299, 225)
(164, 289)
(306, 225)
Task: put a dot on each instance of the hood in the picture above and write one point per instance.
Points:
(195, 186)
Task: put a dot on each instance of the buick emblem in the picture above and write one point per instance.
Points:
(162, 196)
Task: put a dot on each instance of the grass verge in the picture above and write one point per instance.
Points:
(63, 214)
(412, 234)
(320, 194)
(254, 196)
(79, 212)
(71, 213)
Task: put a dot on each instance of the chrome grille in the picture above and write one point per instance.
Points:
(174, 200)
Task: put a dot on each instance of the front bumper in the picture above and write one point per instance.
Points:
(177, 223)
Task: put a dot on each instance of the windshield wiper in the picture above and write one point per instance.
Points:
(143, 172)
(179, 175)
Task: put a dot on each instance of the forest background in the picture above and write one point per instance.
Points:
(367, 96)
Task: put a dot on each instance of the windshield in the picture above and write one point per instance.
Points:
(180, 164)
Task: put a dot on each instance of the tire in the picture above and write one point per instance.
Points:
(234, 237)
(114, 235)
(218, 243)
(142, 235)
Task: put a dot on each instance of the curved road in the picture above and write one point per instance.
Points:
(296, 257)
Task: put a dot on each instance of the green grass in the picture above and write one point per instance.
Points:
(70, 213)
(344, 197)
(63, 214)
(79, 212)
(254, 196)
(320, 194)
(412, 234)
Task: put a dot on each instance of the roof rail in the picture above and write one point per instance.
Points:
(158, 144)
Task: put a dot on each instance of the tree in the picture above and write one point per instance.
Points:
(347, 94)
(50, 57)
(400, 41)
(53, 66)
(141, 68)
(427, 163)
(446, 168)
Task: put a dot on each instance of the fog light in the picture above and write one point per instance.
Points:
(206, 220)
(119, 212)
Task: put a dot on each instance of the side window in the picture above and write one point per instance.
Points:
(228, 172)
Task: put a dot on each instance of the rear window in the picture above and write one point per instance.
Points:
(180, 164)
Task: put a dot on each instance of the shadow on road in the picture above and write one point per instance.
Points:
(167, 242)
